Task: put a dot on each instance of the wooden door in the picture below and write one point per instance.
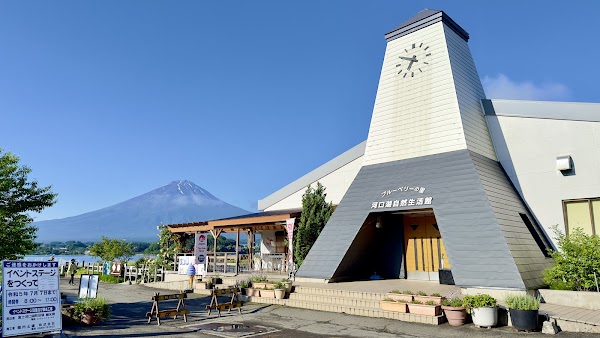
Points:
(424, 251)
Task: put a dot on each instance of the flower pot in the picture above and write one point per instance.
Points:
(393, 306)
(456, 315)
(267, 293)
(90, 318)
(400, 297)
(422, 309)
(485, 316)
(524, 320)
(279, 293)
(425, 299)
(252, 292)
(288, 287)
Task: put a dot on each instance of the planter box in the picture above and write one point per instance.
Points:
(267, 293)
(422, 309)
(400, 296)
(394, 306)
(266, 286)
(424, 299)
(252, 292)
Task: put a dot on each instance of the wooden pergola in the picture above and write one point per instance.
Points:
(249, 224)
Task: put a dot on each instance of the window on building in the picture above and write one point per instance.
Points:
(584, 214)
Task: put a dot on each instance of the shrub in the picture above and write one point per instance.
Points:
(575, 262)
(388, 299)
(111, 279)
(407, 292)
(244, 283)
(416, 302)
(478, 301)
(436, 294)
(421, 293)
(279, 285)
(259, 278)
(396, 291)
(429, 302)
(522, 302)
(99, 306)
(453, 301)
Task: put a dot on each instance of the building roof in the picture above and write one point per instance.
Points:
(423, 19)
(572, 111)
(313, 176)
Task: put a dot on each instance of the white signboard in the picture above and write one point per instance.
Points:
(289, 226)
(30, 298)
(183, 263)
(88, 286)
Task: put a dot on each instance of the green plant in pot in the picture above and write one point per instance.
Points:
(280, 290)
(454, 310)
(483, 309)
(91, 310)
(523, 311)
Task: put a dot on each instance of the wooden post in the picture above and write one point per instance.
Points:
(250, 246)
(237, 251)
(216, 234)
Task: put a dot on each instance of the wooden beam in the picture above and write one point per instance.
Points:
(250, 220)
(237, 251)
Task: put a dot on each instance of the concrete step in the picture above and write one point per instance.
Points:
(339, 293)
(345, 301)
(353, 310)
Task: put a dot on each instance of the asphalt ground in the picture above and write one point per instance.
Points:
(129, 304)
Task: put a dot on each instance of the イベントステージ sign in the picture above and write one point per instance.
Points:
(30, 298)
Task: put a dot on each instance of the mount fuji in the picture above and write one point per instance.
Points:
(137, 218)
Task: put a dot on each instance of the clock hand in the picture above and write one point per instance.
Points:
(407, 59)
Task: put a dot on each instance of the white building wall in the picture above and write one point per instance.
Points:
(336, 184)
(527, 149)
(417, 116)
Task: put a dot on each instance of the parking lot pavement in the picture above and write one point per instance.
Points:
(129, 304)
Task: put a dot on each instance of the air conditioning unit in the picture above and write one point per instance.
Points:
(564, 163)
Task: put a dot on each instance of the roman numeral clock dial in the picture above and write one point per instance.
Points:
(413, 60)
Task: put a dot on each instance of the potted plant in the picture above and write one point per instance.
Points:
(91, 310)
(483, 309)
(428, 308)
(405, 296)
(423, 297)
(523, 311)
(288, 285)
(279, 290)
(389, 304)
(455, 311)
(243, 285)
(259, 281)
(217, 279)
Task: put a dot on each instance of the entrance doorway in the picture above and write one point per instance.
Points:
(424, 249)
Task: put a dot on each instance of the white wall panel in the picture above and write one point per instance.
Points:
(527, 149)
(336, 184)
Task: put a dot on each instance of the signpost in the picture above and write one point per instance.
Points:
(30, 298)
(201, 252)
(88, 286)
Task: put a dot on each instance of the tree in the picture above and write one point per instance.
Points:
(113, 249)
(18, 196)
(315, 214)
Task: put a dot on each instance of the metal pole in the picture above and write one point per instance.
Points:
(596, 279)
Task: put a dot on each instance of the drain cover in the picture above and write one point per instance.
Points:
(232, 330)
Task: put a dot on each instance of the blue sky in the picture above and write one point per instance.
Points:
(106, 100)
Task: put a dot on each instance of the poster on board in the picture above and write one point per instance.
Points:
(30, 298)
(289, 227)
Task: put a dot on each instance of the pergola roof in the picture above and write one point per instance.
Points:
(266, 220)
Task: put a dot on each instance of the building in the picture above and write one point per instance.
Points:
(449, 180)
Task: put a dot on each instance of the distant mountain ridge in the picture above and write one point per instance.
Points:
(137, 218)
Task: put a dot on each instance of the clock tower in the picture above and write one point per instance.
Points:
(428, 99)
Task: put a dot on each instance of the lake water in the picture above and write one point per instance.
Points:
(61, 259)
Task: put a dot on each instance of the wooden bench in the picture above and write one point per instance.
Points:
(179, 310)
(234, 302)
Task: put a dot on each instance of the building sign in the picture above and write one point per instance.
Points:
(30, 298)
(404, 202)
(289, 226)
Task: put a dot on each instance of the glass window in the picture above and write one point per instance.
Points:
(581, 214)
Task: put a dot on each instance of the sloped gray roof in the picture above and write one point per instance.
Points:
(423, 19)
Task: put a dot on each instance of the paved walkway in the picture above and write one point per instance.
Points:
(574, 314)
(129, 304)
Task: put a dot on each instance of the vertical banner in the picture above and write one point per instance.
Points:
(200, 251)
(289, 225)
(30, 298)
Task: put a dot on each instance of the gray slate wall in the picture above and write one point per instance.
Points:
(474, 238)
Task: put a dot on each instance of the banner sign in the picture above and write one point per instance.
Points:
(289, 225)
(88, 286)
(201, 247)
(30, 298)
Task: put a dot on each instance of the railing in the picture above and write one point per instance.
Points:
(145, 274)
(94, 268)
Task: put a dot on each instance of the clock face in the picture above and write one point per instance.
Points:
(413, 60)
